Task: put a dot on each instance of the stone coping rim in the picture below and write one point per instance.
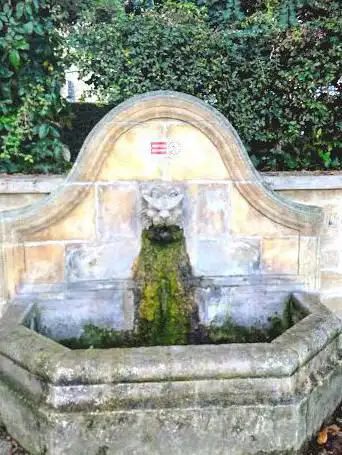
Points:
(29, 292)
(60, 365)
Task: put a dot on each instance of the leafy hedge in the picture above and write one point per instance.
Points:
(273, 71)
(273, 67)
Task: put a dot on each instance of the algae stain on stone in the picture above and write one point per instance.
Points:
(163, 274)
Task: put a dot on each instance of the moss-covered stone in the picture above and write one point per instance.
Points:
(100, 338)
(229, 332)
(163, 272)
(154, 327)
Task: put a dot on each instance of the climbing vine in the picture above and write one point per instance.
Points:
(31, 108)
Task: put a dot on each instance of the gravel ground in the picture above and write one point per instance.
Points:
(331, 433)
(9, 446)
(333, 446)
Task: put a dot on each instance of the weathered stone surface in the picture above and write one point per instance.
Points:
(242, 305)
(321, 190)
(212, 210)
(118, 211)
(14, 201)
(322, 403)
(255, 307)
(208, 163)
(25, 424)
(331, 280)
(280, 255)
(29, 184)
(99, 262)
(179, 394)
(23, 378)
(78, 224)
(331, 253)
(44, 263)
(230, 430)
(330, 199)
(310, 335)
(214, 305)
(13, 260)
(225, 256)
(334, 303)
(309, 261)
(194, 431)
(113, 309)
(245, 220)
(131, 157)
(199, 431)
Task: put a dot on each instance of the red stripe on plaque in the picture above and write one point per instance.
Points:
(158, 148)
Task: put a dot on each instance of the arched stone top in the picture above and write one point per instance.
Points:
(148, 107)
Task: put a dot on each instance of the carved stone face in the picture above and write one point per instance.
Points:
(162, 205)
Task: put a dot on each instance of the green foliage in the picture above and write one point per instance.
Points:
(271, 66)
(223, 12)
(30, 80)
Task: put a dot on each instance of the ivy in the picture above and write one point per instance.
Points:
(31, 108)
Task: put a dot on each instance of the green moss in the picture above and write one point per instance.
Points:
(165, 308)
(228, 332)
(166, 304)
(178, 329)
(100, 338)
(165, 313)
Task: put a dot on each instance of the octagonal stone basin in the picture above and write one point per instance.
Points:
(178, 400)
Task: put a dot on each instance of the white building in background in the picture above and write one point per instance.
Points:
(75, 89)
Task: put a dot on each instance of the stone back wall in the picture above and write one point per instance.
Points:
(323, 191)
(318, 189)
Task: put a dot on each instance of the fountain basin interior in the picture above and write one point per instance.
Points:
(85, 320)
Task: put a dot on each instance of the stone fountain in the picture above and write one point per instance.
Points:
(204, 284)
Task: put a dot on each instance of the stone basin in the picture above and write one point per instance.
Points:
(209, 399)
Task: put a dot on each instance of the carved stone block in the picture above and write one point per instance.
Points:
(162, 205)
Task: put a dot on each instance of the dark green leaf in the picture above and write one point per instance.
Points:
(28, 27)
(43, 130)
(14, 58)
(19, 9)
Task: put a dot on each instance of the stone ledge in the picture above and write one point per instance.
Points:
(21, 184)
(280, 181)
(307, 181)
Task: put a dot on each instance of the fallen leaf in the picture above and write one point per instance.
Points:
(322, 437)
